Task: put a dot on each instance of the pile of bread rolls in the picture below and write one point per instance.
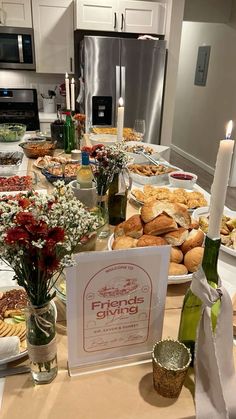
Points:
(159, 224)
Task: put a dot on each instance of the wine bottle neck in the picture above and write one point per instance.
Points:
(210, 259)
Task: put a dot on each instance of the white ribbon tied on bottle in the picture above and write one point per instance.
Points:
(215, 379)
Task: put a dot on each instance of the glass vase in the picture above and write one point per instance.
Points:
(102, 203)
(41, 342)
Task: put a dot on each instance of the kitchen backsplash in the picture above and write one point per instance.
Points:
(30, 79)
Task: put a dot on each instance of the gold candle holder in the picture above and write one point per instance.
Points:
(170, 360)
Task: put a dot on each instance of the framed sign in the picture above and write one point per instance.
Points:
(115, 306)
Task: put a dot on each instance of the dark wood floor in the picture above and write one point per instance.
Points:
(204, 178)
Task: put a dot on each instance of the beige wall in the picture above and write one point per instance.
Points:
(201, 113)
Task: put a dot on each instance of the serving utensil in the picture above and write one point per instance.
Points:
(155, 162)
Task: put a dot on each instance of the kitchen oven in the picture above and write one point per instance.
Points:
(17, 48)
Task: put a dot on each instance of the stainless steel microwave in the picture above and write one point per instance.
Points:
(17, 48)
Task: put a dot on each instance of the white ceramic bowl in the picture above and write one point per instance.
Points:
(185, 180)
(161, 179)
(106, 139)
(157, 150)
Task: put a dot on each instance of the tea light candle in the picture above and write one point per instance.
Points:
(220, 182)
(120, 120)
(67, 84)
(72, 91)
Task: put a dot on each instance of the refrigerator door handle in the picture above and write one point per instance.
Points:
(123, 82)
(118, 80)
(115, 20)
(122, 21)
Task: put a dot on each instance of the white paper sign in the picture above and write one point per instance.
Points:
(115, 306)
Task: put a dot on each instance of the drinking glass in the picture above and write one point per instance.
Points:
(139, 128)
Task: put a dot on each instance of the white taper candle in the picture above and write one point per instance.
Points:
(67, 84)
(120, 120)
(220, 182)
(72, 91)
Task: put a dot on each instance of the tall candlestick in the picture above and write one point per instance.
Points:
(67, 84)
(220, 182)
(120, 120)
(72, 91)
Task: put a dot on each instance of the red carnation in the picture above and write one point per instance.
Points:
(24, 218)
(48, 261)
(16, 234)
(56, 234)
(24, 202)
(39, 229)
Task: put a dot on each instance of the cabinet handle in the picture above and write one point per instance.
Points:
(122, 21)
(71, 64)
(115, 20)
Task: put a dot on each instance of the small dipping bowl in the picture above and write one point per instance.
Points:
(184, 180)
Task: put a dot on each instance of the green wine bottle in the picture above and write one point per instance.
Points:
(191, 310)
(69, 134)
(117, 201)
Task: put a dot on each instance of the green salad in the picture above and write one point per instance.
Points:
(12, 132)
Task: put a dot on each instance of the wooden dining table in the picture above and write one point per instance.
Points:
(126, 392)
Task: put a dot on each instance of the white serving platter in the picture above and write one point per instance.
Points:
(204, 211)
(158, 150)
(23, 353)
(191, 210)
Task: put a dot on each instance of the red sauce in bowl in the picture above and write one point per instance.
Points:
(181, 176)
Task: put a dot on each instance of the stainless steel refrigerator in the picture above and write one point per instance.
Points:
(133, 69)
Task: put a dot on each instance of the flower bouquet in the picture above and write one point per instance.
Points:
(107, 161)
(38, 235)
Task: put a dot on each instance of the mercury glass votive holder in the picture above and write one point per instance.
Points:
(170, 360)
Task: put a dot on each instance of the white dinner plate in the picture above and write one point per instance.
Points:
(204, 211)
(173, 279)
(23, 353)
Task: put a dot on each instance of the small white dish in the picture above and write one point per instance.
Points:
(185, 180)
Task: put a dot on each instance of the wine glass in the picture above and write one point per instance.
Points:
(139, 129)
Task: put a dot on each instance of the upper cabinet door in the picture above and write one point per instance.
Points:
(16, 13)
(142, 17)
(96, 15)
(54, 36)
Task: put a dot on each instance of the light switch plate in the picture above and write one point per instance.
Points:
(202, 65)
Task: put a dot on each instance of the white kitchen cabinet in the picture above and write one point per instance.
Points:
(142, 17)
(16, 13)
(120, 16)
(53, 35)
(98, 15)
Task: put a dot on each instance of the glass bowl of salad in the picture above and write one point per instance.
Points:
(12, 132)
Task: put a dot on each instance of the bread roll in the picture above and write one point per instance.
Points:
(179, 213)
(193, 258)
(119, 230)
(194, 225)
(160, 225)
(195, 239)
(148, 240)
(176, 255)
(151, 210)
(177, 269)
(176, 237)
(133, 227)
(124, 242)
